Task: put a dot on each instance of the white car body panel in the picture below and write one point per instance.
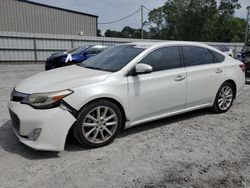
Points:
(203, 84)
(230, 52)
(144, 97)
(59, 79)
(55, 124)
(142, 89)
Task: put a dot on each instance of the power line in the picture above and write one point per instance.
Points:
(146, 8)
(104, 23)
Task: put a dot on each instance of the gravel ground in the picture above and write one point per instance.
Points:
(197, 149)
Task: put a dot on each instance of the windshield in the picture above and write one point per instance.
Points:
(113, 59)
(80, 49)
(70, 50)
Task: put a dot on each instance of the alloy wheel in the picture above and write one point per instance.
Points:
(225, 98)
(100, 124)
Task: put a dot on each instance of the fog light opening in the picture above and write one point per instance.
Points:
(33, 135)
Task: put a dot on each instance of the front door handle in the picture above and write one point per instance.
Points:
(218, 71)
(179, 78)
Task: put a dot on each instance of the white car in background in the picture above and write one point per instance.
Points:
(226, 50)
(122, 87)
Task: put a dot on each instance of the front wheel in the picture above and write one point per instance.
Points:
(224, 98)
(98, 123)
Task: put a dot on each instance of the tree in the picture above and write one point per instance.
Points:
(110, 33)
(227, 7)
(196, 20)
(127, 32)
(181, 20)
(99, 33)
(231, 29)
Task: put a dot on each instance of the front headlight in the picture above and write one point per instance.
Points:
(46, 100)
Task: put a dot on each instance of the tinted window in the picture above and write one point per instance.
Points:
(113, 59)
(197, 56)
(95, 49)
(80, 49)
(217, 57)
(163, 58)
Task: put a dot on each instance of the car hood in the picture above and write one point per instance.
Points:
(62, 78)
(57, 55)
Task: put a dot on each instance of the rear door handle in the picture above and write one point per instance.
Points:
(179, 78)
(218, 71)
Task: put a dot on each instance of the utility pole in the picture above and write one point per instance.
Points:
(247, 24)
(142, 32)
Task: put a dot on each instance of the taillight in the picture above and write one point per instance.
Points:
(243, 67)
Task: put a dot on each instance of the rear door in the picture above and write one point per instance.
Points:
(204, 75)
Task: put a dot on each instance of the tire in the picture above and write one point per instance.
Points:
(224, 98)
(93, 130)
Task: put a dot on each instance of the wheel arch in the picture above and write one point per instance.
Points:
(116, 102)
(234, 87)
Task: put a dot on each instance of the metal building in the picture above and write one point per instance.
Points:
(30, 17)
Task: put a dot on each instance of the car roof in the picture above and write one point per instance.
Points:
(158, 44)
(101, 45)
(153, 45)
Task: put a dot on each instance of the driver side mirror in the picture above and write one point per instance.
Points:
(142, 68)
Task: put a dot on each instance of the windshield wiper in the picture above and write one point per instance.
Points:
(95, 68)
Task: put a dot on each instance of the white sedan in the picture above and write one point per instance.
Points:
(122, 87)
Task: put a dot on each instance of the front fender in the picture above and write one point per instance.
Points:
(115, 91)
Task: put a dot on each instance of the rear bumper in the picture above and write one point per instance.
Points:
(54, 124)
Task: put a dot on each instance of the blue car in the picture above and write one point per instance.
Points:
(73, 56)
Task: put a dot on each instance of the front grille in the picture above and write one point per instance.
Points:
(15, 120)
(18, 96)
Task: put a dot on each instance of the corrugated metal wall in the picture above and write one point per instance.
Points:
(34, 48)
(18, 16)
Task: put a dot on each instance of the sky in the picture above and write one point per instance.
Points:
(111, 10)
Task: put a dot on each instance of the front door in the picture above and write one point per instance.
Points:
(161, 92)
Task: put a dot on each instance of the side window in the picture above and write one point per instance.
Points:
(218, 58)
(163, 58)
(197, 56)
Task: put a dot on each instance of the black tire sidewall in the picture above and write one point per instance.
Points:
(81, 116)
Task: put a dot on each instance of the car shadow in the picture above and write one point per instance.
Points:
(163, 122)
(10, 143)
(73, 145)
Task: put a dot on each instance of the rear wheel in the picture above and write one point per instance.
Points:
(224, 98)
(98, 124)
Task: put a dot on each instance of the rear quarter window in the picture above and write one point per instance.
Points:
(218, 58)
